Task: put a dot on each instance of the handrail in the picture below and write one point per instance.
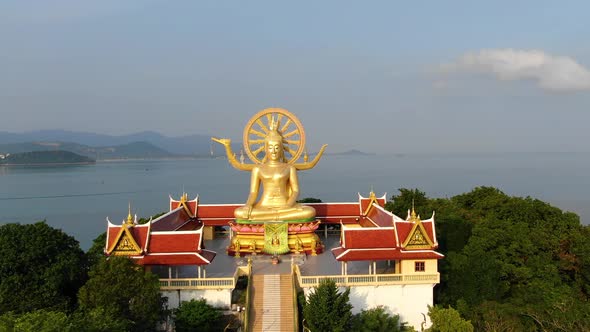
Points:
(197, 283)
(368, 279)
(246, 323)
(295, 306)
(202, 283)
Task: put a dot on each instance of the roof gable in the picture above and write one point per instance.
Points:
(124, 243)
(418, 238)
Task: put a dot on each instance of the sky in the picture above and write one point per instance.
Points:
(379, 76)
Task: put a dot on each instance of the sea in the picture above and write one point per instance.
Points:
(79, 199)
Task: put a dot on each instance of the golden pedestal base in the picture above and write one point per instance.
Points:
(243, 243)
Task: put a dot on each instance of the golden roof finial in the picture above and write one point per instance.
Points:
(129, 216)
(413, 216)
(184, 197)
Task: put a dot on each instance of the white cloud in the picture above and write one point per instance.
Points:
(550, 72)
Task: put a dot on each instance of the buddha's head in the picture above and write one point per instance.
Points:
(273, 145)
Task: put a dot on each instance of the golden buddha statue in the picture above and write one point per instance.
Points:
(276, 173)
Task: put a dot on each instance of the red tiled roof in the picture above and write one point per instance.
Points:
(373, 237)
(225, 211)
(342, 254)
(203, 258)
(139, 233)
(168, 242)
(332, 210)
(171, 220)
(405, 227)
(380, 217)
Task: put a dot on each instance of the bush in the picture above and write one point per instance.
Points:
(196, 315)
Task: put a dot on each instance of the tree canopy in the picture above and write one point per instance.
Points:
(125, 292)
(196, 315)
(511, 262)
(376, 320)
(41, 268)
(447, 320)
(328, 309)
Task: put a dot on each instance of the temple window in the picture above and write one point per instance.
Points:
(419, 267)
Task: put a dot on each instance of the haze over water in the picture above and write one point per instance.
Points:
(77, 199)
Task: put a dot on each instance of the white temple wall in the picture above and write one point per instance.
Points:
(218, 298)
(410, 302)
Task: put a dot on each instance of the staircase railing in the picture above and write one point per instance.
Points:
(295, 306)
(246, 322)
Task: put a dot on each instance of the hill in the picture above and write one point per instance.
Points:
(134, 150)
(182, 145)
(45, 157)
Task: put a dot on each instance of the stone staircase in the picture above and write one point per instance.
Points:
(272, 303)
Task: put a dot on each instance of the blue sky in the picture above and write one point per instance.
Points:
(381, 76)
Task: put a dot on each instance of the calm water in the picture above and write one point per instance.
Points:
(77, 199)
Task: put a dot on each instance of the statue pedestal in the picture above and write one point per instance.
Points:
(275, 238)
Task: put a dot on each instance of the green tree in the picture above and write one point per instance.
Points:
(309, 200)
(400, 204)
(196, 315)
(96, 252)
(447, 320)
(41, 268)
(522, 260)
(376, 320)
(99, 320)
(327, 309)
(42, 321)
(121, 288)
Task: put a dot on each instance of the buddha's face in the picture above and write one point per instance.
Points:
(274, 150)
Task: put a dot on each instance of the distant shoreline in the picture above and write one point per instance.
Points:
(51, 164)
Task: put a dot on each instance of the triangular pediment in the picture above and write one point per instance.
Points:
(372, 199)
(124, 244)
(418, 238)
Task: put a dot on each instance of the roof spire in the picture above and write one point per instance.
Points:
(129, 220)
(413, 216)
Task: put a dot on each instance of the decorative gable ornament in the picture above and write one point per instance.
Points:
(125, 244)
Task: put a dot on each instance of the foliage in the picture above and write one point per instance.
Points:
(35, 321)
(196, 315)
(376, 320)
(328, 309)
(96, 252)
(45, 157)
(511, 263)
(119, 287)
(407, 199)
(99, 320)
(309, 200)
(41, 268)
(447, 320)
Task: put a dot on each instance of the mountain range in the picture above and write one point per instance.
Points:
(190, 145)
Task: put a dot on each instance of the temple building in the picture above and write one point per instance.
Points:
(384, 259)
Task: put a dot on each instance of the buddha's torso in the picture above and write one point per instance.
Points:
(274, 179)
